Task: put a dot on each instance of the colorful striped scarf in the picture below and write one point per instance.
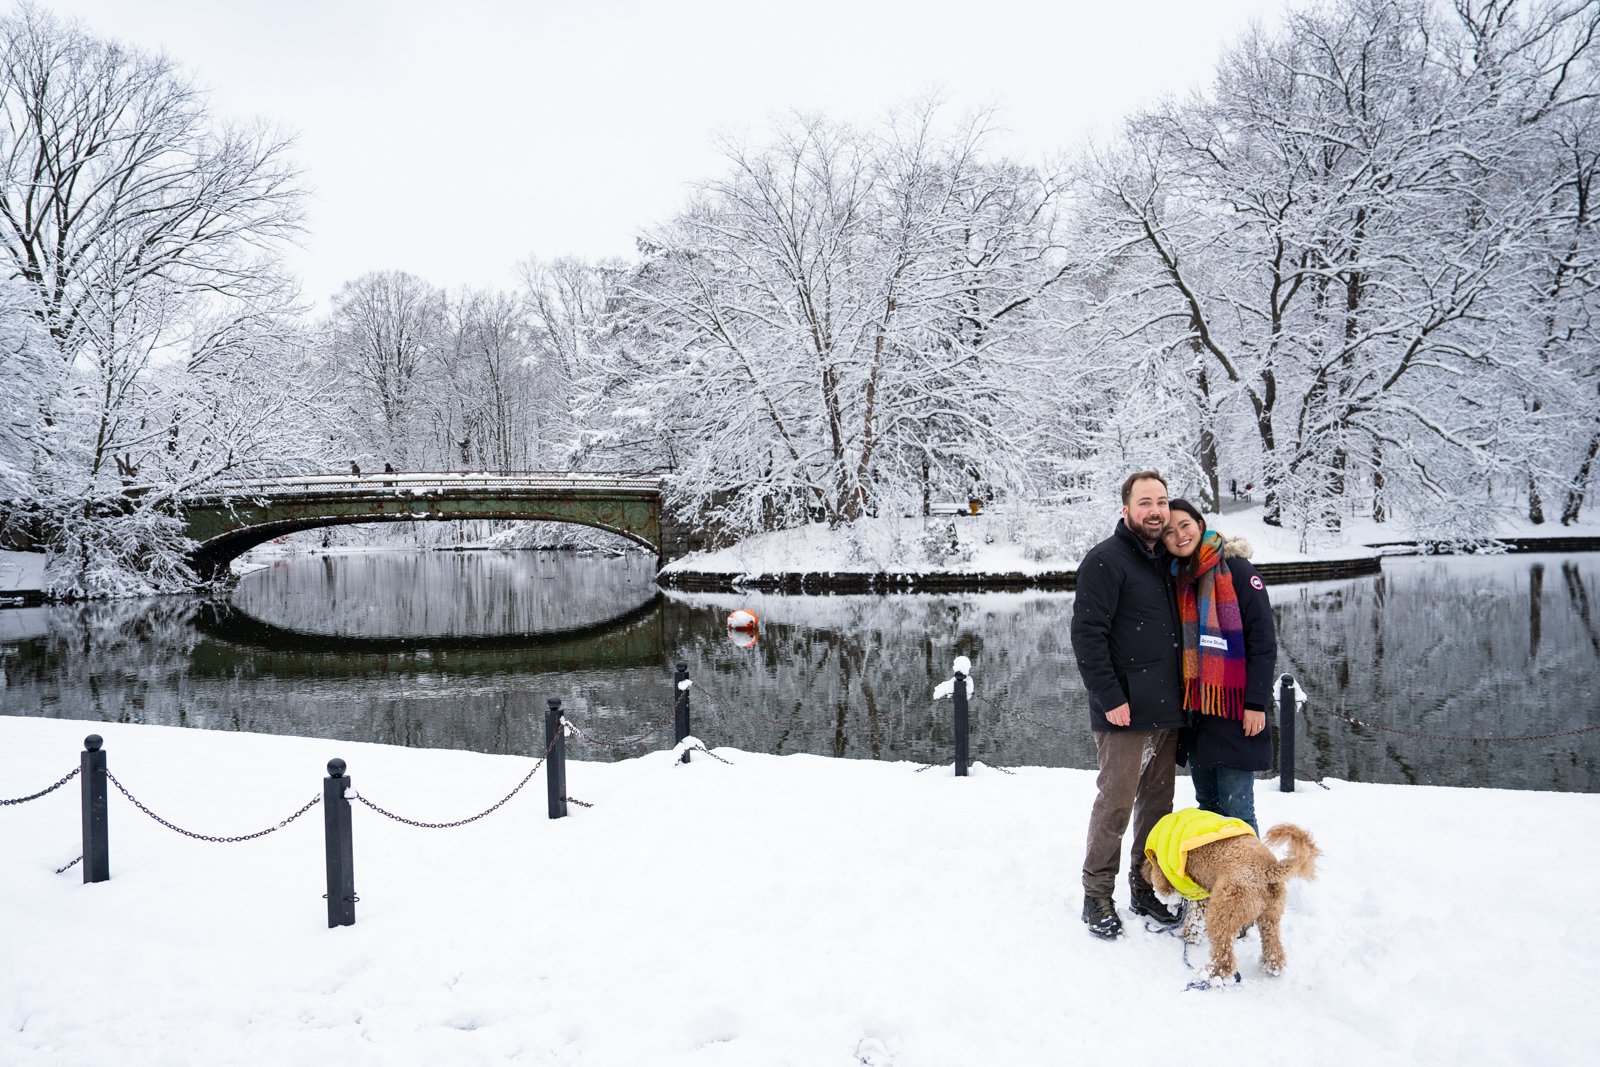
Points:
(1213, 633)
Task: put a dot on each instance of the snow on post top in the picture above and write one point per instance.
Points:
(947, 688)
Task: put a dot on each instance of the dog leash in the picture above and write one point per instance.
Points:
(1172, 930)
(1151, 926)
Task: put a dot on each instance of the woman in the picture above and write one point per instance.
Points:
(1230, 648)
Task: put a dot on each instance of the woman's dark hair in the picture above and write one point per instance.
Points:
(1194, 513)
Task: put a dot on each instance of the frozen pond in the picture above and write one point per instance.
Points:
(461, 650)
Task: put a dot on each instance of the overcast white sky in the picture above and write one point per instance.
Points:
(453, 138)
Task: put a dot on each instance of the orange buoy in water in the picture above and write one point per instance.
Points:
(742, 627)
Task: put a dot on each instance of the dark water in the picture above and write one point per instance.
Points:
(461, 650)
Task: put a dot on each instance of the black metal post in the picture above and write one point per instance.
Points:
(96, 830)
(340, 846)
(1286, 709)
(555, 767)
(960, 699)
(680, 708)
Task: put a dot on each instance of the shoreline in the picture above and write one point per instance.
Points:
(815, 582)
(831, 582)
(843, 582)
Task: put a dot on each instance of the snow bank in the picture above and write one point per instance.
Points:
(1038, 541)
(21, 571)
(774, 910)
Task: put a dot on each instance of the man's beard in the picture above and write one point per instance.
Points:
(1150, 541)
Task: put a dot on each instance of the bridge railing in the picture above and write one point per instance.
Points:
(440, 480)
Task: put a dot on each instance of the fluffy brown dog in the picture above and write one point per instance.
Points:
(1246, 882)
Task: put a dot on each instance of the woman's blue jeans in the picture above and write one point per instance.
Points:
(1227, 792)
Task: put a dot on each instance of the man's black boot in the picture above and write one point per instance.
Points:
(1146, 903)
(1101, 917)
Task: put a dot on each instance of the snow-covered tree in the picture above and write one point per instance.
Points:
(385, 341)
(132, 223)
(1328, 245)
(1547, 71)
(845, 315)
(568, 303)
(27, 363)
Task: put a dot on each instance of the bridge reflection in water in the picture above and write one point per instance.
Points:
(439, 649)
(460, 650)
(471, 613)
(235, 639)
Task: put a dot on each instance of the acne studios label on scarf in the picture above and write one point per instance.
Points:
(1213, 641)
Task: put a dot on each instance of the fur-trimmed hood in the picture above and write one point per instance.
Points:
(1236, 547)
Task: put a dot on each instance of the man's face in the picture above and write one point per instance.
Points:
(1146, 510)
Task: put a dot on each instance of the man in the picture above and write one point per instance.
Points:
(1125, 634)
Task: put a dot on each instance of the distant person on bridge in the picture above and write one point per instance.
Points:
(355, 469)
(1125, 637)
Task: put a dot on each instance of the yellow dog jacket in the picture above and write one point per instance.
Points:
(1172, 839)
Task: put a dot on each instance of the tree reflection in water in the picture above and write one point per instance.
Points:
(460, 650)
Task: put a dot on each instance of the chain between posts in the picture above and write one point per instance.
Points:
(700, 687)
(471, 818)
(1449, 737)
(628, 743)
(1353, 721)
(722, 701)
(307, 806)
(69, 776)
(931, 766)
(625, 743)
(1014, 714)
(707, 751)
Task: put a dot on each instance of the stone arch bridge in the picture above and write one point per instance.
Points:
(233, 518)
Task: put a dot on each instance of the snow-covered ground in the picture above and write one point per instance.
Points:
(774, 910)
(21, 570)
(1035, 541)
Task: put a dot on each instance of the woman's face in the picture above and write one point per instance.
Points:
(1182, 535)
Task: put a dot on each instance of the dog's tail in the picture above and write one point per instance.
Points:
(1303, 852)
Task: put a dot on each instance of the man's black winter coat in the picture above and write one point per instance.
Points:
(1125, 633)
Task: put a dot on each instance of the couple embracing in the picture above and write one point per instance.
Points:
(1174, 638)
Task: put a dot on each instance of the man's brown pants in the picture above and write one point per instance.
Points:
(1136, 777)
